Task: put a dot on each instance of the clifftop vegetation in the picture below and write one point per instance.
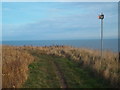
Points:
(17, 59)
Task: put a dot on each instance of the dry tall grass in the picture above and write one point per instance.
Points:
(15, 63)
(107, 67)
(17, 59)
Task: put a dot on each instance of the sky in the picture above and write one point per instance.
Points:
(0, 13)
(58, 20)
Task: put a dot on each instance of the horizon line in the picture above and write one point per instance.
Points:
(59, 39)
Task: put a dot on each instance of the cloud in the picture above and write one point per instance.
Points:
(71, 27)
(61, 21)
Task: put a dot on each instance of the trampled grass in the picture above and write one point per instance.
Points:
(77, 77)
(43, 74)
(58, 66)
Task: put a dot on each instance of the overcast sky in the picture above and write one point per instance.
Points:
(58, 21)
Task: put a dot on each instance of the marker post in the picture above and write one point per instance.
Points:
(101, 16)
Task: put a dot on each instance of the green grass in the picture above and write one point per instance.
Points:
(43, 74)
(77, 77)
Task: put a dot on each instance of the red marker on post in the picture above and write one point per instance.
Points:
(101, 16)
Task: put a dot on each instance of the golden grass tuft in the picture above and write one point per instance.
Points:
(15, 63)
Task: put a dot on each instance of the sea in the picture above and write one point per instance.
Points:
(108, 44)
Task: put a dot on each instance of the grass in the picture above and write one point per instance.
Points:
(15, 63)
(77, 77)
(58, 66)
(108, 69)
(43, 74)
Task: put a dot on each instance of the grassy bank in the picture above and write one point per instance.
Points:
(55, 72)
(58, 66)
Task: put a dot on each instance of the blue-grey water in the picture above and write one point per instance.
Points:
(108, 44)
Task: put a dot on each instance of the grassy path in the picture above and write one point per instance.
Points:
(58, 72)
(61, 76)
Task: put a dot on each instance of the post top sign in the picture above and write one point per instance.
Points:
(101, 16)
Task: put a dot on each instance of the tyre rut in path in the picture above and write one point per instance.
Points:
(52, 71)
(60, 75)
(63, 83)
